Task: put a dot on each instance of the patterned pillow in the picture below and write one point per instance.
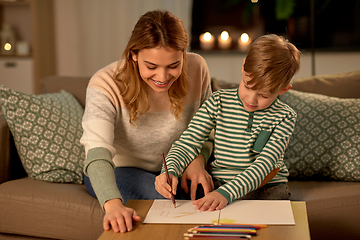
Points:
(325, 144)
(47, 130)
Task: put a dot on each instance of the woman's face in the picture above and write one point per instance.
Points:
(159, 67)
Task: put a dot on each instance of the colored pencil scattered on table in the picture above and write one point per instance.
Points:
(222, 231)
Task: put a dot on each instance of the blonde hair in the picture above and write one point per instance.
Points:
(271, 63)
(153, 29)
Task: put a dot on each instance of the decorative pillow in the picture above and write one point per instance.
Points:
(47, 131)
(325, 144)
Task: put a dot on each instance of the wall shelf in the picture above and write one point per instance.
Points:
(33, 22)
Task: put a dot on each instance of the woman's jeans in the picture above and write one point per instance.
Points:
(133, 183)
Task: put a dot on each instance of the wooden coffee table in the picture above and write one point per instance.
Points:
(175, 231)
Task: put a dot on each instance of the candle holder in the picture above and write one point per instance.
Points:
(244, 42)
(7, 39)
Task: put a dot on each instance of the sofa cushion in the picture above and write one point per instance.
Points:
(47, 131)
(49, 210)
(342, 85)
(74, 85)
(326, 139)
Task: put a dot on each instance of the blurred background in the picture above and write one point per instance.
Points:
(78, 37)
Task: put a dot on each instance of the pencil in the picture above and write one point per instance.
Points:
(213, 238)
(168, 180)
(217, 235)
(256, 226)
(222, 230)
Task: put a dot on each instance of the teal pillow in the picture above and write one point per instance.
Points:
(325, 144)
(47, 131)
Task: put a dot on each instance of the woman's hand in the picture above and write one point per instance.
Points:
(119, 217)
(212, 201)
(163, 187)
(196, 173)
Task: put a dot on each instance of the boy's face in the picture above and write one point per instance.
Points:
(259, 99)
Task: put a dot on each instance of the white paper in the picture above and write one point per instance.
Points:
(270, 212)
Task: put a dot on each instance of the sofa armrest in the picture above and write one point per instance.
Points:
(4, 149)
(10, 163)
(341, 85)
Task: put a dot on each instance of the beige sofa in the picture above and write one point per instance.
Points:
(32, 209)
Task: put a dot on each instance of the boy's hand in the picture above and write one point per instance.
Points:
(212, 201)
(119, 217)
(163, 187)
(196, 173)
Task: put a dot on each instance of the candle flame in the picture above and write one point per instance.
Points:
(224, 35)
(244, 37)
(7, 46)
(207, 36)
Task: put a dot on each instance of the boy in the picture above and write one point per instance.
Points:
(252, 130)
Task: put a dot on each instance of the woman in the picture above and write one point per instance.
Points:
(135, 109)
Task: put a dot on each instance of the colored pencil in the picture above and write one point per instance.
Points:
(213, 238)
(256, 226)
(168, 180)
(228, 226)
(225, 229)
(214, 235)
(222, 230)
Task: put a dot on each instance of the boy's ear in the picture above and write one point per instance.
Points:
(285, 89)
(243, 66)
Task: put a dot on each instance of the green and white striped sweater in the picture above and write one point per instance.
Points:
(248, 145)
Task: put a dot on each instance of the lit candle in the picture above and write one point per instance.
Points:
(224, 40)
(206, 41)
(7, 39)
(244, 42)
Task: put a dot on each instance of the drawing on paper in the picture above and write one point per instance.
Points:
(162, 211)
(249, 211)
(226, 220)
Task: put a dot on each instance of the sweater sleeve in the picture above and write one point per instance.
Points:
(191, 141)
(100, 169)
(206, 92)
(270, 157)
(98, 137)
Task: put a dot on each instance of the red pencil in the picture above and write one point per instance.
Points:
(168, 179)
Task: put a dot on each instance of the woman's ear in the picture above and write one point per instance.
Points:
(133, 56)
(285, 89)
